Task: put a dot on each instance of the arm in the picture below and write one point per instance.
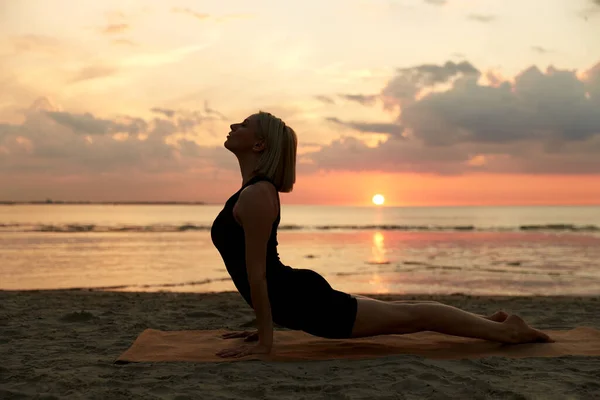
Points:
(257, 210)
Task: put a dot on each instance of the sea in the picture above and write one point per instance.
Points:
(509, 250)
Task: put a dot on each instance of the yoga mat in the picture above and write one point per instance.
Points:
(201, 345)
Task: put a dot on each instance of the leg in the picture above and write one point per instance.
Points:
(376, 317)
(498, 316)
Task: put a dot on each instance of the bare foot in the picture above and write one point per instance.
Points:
(498, 316)
(520, 332)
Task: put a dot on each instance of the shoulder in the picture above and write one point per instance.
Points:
(258, 201)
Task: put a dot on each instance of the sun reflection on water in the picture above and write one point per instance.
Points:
(377, 282)
(378, 249)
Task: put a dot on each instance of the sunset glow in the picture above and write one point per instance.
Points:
(438, 102)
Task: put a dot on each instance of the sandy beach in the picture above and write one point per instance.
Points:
(62, 344)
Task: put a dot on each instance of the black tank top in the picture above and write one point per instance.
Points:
(228, 237)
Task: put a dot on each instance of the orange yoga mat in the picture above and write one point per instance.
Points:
(201, 345)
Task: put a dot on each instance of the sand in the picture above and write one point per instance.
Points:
(62, 344)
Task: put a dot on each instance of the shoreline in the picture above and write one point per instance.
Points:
(107, 203)
(381, 296)
(440, 297)
(62, 343)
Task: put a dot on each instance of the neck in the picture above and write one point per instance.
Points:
(247, 165)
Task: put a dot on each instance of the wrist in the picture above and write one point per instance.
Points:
(266, 346)
(265, 340)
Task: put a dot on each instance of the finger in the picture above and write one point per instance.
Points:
(224, 351)
(229, 352)
(232, 335)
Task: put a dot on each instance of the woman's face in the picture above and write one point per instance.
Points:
(243, 136)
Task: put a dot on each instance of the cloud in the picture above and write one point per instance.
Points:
(540, 49)
(436, 2)
(187, 118)
(115, 15)
(37, 44)
(93, 72)
(537, 122)
(409, 82)
(88, 124)
(325, 99)
(61, 143)
(365, 100)
(125, 42)
(188, 11)
(233, 17)
(212, 111)
(351, 154)
(592, 82)
(481, 18)
(591, 10)
(371, 127)
(206, 17)
(403, 156)
(538, 105)
(450, 120)
(112, 29)
(161, 58)
(8, 129)
(493, 78)
(166, 112)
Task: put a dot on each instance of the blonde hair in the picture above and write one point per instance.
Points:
(278, 161)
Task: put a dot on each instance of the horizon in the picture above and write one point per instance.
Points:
(203, 203)
(427, 103)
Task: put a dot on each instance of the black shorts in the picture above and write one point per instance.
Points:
(307, 302)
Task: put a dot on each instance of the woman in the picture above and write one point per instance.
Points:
(245, 234)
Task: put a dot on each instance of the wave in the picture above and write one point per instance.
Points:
(147, 286)
(507, 267)
(159, 228)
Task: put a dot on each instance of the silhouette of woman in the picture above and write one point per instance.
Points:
(245, 234)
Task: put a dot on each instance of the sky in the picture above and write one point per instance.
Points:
(427, 102)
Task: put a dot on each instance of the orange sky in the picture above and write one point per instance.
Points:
(451, 102)
(419, 190)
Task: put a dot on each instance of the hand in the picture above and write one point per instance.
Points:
(244, 350)
(246, 335)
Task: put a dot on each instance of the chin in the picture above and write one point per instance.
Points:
(227, 146)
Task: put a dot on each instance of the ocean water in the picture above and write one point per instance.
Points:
(432, 250)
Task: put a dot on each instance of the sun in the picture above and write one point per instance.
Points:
(378, 199)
